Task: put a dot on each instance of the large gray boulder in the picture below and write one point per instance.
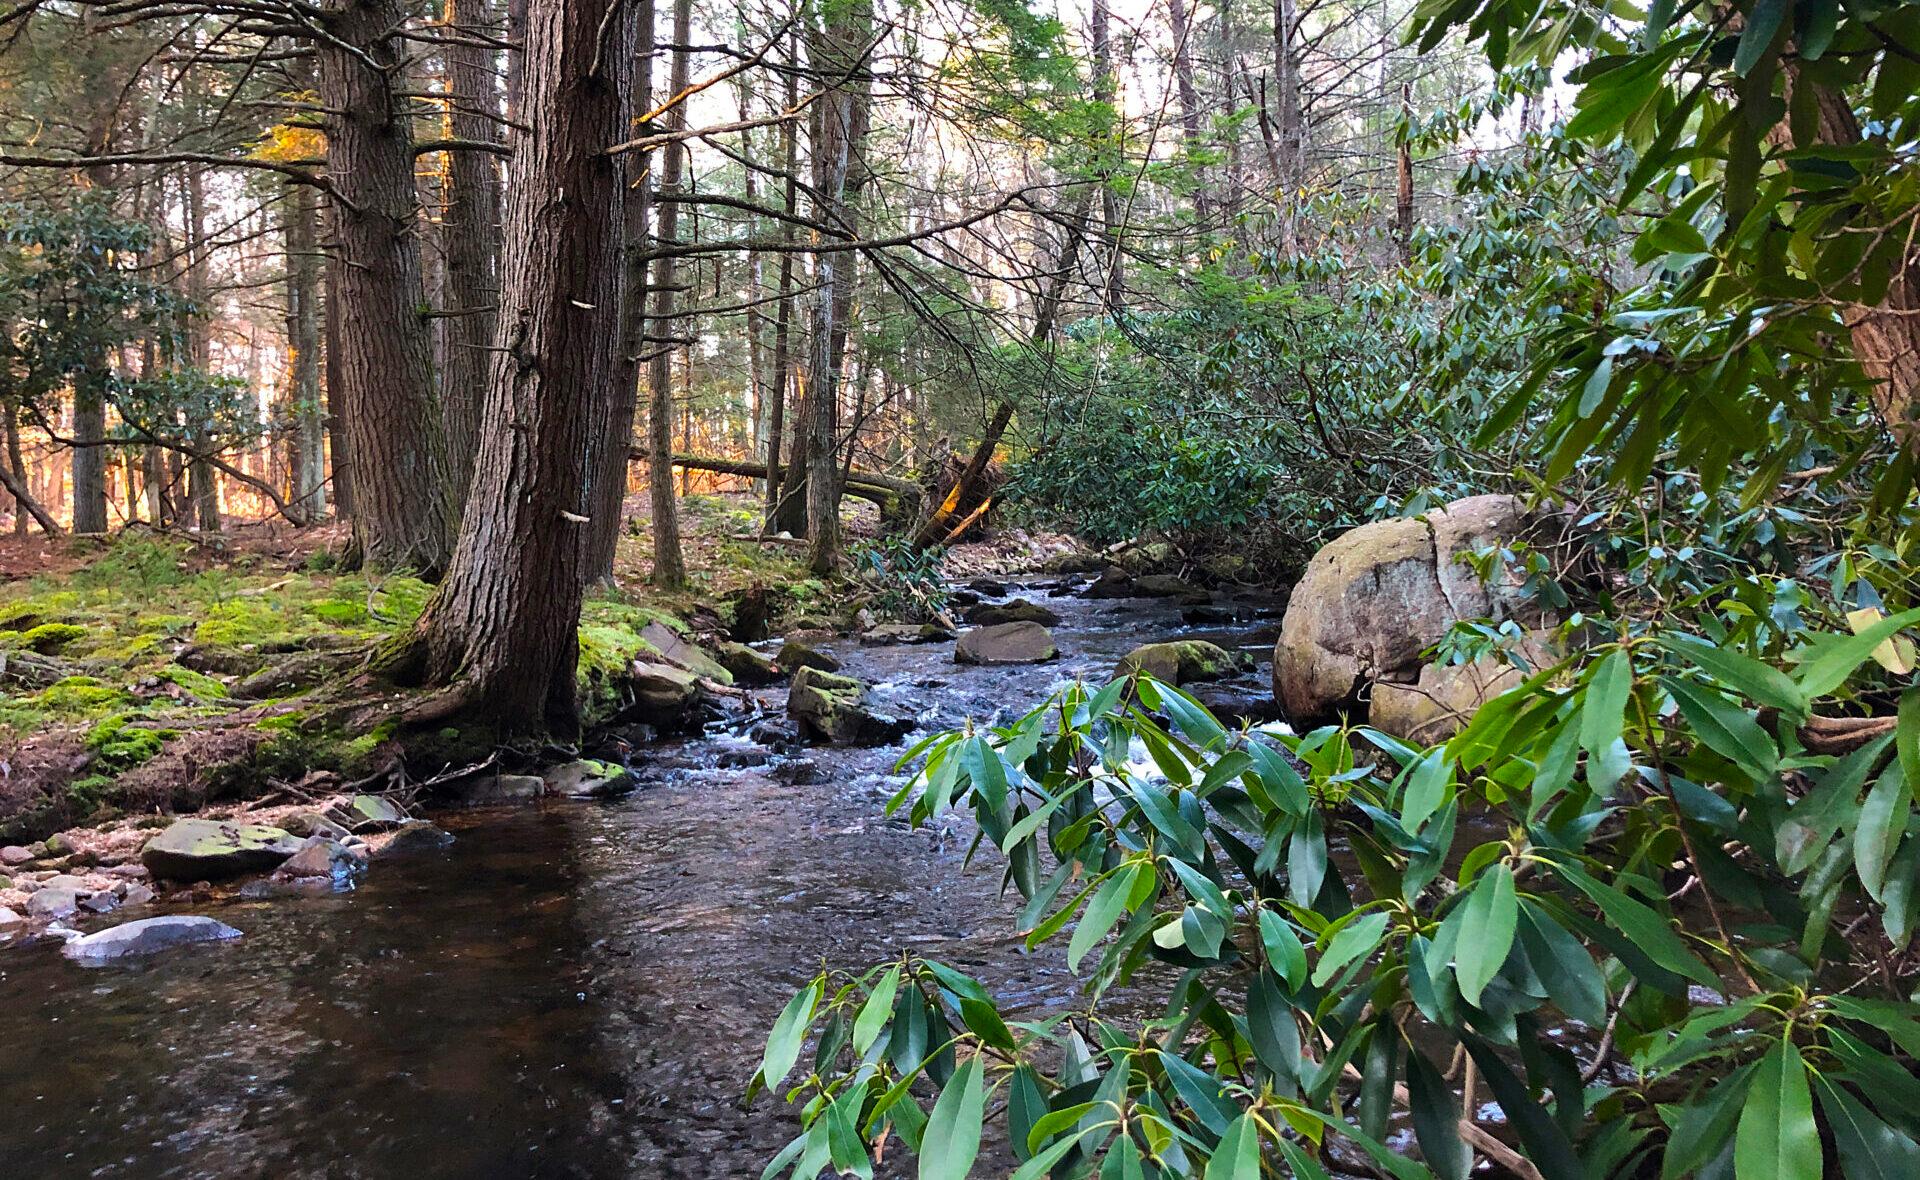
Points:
(829, 707)
(145, 937)
(1006, 643)
(1376, 597)
(209, 850)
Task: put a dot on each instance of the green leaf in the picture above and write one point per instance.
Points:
(1572, 979)
(1728, 731)
(1285, 953)
(1763, 21)
(1701, 1129)
(1162, 812)
(1271, 1029)
(1882, 821)
(1777, 1138)
(1603, 711)
(789, 1031)
(1426, 788)
(1238, 1156)
(1869, 1148)
(1356, 940)
(875, 1012)
(1102, 912)
(1486, 932)
(1757, 681)
(1829, 665)
(1436, 1119)
(952, 1137)
(1650, 933)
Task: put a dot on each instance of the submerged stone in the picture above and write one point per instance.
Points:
(374, 813)
(145, 937)
(207, 849)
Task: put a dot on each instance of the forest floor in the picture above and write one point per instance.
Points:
(152, 675)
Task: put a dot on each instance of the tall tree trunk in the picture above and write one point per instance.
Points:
(783, 314)
(89, 455)
(611, 445)
(333, 405)
(1105, 91)
(1403, 176)
(469, 235)
(204, 484)
(669, 566)
(503, 629)
(1289, 144)
(842, 127)
(405, 507)
(1189, 95)
(306, 456)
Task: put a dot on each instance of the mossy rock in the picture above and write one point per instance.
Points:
(1182, 661)
(678, 650)
(209, 850)
(746, 665)
(52, 638)
(831, 708)
(796, 654)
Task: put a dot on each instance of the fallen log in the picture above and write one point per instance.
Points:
(898, 499)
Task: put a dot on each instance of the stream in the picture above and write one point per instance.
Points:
(573, 988)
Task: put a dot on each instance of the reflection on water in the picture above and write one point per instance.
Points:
(571, 990)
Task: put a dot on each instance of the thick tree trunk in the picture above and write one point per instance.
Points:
(203, 484)
(469, 237)
(502, 631)
(404, 504)
(89, 457)
(669, 566)
(306, 454)
(1289, 143)
(333, 403)
(1403, 178)
(1189, 94)
(1104, 91)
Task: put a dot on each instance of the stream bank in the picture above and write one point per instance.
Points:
(570, 989)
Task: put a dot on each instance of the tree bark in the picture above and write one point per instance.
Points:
(203, 485)
(1289, 146)
(1189, 94)
(306, 451)
(404, 503)
(669, 566)
(502, 632)
(469, 237)
(1104, 91)
(783, 316)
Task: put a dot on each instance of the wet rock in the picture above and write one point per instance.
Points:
(418, 836)
(145, 937)
(775, 734)
(1377, 596)
(100, 903)
(1006, 643)
(961, 596)
(373, 813)
(795, 655)
(208, 850)
(1018, 611)
(497, 788)
(747, 666)
(312, 823)
(1113, 582)
(681, 652)
(889, 633)
(988, 587)
(1182, 661)
(1169, 586)
(320, 857)
(586, 778)
(47, 904)
(663, 696)
(137, 895)
(743, 757)
(831, 708)
(13, 856)
(800, 772)
(1207, 616)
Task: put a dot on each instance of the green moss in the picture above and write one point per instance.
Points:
(164, 624)
(118, 746)
(199, 684)
(239, 623)
(78, 696)
(339, 612)
(50, 638)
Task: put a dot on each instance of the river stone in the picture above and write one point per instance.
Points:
(586, 778)
(1444, 697)
(312, 823)
(13, 856)
(498, 788)
(887, 633)
(145, 937)
(374, 813)
(418, 836)
(1113, 582)
(681, 652)
(1182, 661)
(1168, 586)
(1074, 563)
(9, 918)
(795, 655)
(319, 857)
(137, 894)
(747, 666)
(1018, 611)
(1006, 643)
(832, 708)
(53, 903)
(989, 587)
(1377, 596)
(207, 850)
(664, 696)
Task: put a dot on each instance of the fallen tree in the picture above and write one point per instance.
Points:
(898, 499)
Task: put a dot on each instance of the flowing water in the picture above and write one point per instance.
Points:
(571, 989)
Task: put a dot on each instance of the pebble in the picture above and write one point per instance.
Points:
(13, 856)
